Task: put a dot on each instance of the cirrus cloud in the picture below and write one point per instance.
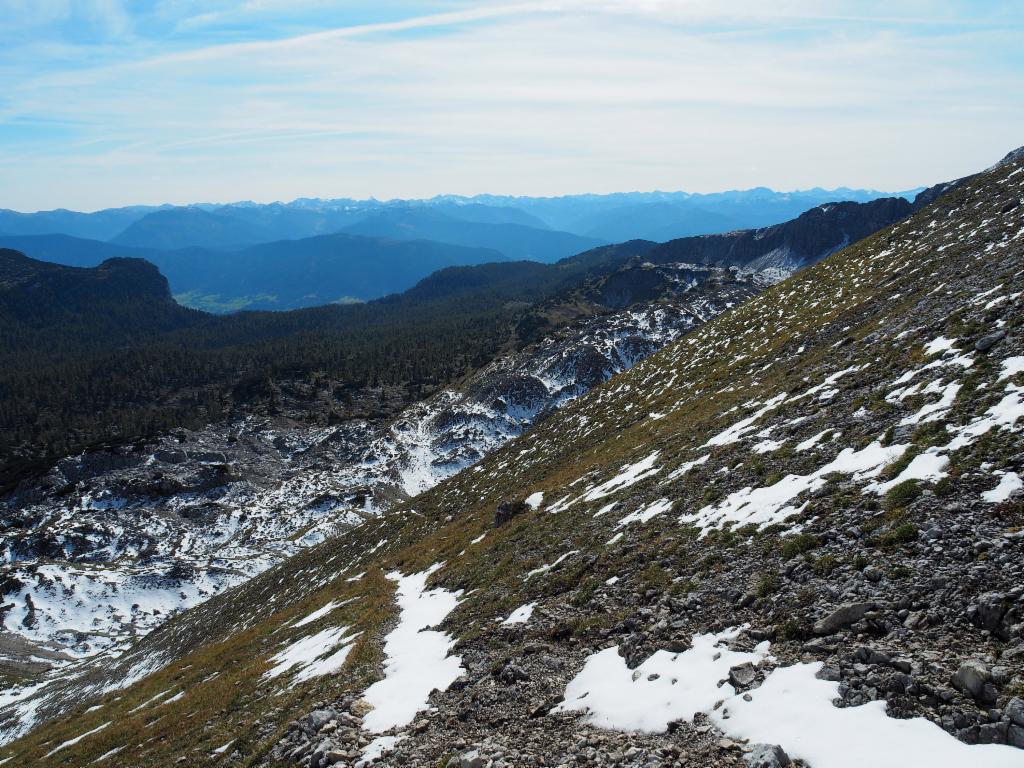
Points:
(518, 97)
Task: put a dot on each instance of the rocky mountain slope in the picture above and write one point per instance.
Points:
(146, 529)
(809, 499)
(810, 237)
(108, 544)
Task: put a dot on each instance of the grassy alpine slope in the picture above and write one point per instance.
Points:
(820, 465)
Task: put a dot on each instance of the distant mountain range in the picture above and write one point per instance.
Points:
(224, 258)
(100, 225)
(286, 274)
(515, 240)
(664, 216)
(232, 227)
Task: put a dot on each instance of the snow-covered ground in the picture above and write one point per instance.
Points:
(791, 708)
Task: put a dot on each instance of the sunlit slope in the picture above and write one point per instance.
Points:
(828, 467)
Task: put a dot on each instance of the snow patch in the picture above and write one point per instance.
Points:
(319, 613)
(738, 430)
(928, 466)
(418, 658)
(306, 652)
(99, 759)
(72, 742)
(520, 615)
(791, 708)
(630, 474)
(939, 344)
(1009, 482)
(933, 411)
(546, 568)
(1011, 367)
(771, 504)
(810, 442)
(644, 514)
(686, 467)
(794, 709)
(666, 687)
(325, 666)
(534, 500)
(376, 749)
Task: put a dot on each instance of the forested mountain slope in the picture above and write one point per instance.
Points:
(811, 500)
(68, 250)
(313, 271)
(66, 310)
(319, 365)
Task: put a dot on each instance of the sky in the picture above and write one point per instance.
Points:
(115, 102)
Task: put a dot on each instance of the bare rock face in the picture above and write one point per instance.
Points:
(841, 617)
(812, 236)
(995, 612)
(507, 510)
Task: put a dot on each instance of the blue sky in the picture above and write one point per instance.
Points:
(113, 102)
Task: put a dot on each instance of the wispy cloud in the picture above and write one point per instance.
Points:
(451, 19)
(528, 97)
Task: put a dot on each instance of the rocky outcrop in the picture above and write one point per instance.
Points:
(811, 237)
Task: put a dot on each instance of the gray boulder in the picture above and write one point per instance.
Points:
(766, 756)
(743, 675)
(841, 617)
(971, 678)
(1015, 711)
(985, 343)
(471, 759)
